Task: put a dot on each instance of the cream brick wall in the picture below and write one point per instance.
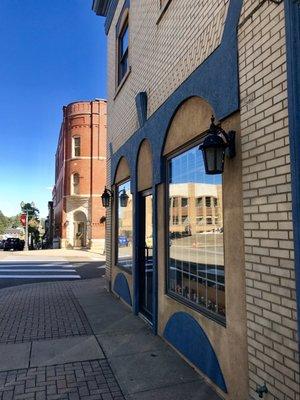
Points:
(271, 305)
(108, 226)
(161, 55)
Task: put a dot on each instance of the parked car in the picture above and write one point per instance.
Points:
(149, 242)
(2, 244)
(13, 244)
(123, 241)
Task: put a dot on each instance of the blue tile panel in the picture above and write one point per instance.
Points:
(292, 14)
(121, 288)
(187, 336)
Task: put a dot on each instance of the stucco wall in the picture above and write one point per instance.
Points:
(228, 342)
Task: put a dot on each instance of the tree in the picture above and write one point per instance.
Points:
(3, 222)
(32, 211)
(14, 221)
(33, 220)
(8, 222)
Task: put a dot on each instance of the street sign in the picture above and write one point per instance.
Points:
(23, 219)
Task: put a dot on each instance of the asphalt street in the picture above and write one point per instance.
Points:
(20, 271)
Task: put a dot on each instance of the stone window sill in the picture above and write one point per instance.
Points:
(162, 11)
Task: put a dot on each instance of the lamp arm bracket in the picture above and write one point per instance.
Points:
(109, 191)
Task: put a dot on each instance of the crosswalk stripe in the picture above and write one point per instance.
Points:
(35, 270)
(62, 267)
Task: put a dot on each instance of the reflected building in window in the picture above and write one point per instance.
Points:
(195, 208)
(196, 247)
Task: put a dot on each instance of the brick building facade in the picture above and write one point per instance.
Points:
(80, 175)
(223, 291)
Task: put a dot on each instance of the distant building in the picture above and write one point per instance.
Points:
(80, 174)
(49, 226)
(13, 233)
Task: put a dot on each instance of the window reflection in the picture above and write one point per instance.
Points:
(124, 239)
(196, 255)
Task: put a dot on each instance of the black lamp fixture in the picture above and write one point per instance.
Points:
(216, 144)
(124, 198)
(105, 197)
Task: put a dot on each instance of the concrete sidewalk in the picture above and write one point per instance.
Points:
(73, 340)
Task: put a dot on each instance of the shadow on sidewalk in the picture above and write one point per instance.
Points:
(144, 365)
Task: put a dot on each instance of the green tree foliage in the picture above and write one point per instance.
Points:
(3, 223)
(14, 221)
(8, 222)
(33, 220)
(33, 213)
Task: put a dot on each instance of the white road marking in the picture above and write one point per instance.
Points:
(32, 265)
(34, 270)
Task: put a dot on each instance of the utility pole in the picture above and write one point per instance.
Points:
(26, 232)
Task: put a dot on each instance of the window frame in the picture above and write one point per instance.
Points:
(116, 233)
(73, 186)
(74, 146)
(122, 24)
(186, 302)
(125, 56)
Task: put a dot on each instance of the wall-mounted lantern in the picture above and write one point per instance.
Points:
(216, 144)
(105, 197)
(124, 198)
(102, 219)
(66, 223)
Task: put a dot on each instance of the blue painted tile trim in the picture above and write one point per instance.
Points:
(188, 337)
(121, 288)
(292, 15)
(141, 102)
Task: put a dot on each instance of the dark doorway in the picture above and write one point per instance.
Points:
(146, 256)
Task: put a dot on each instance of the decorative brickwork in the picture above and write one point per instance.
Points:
(90, 380)
(36, 312)
(270, 280)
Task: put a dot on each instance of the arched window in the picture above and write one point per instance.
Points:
(124, 227)
(76, 146)
(75, 183)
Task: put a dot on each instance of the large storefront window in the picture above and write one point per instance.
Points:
(124, 237)
(196, 251)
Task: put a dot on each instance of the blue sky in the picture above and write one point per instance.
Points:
(52, 52)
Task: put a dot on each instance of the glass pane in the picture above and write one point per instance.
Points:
(123, 53)
(76, 184)
(124, 40)
(196, 255)
(124, 239)
(148, 271)
(77, 147)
